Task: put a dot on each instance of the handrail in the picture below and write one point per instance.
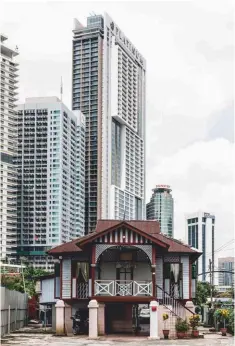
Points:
(174, 299)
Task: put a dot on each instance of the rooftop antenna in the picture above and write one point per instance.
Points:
(61, 89)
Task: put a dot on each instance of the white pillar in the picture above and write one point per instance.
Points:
(59, 307)
(93, 319)
(189, 304)
(154, 320)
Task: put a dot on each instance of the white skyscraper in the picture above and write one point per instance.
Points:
(200, 234)
(109, 88)
(51, 177)
(8, 127)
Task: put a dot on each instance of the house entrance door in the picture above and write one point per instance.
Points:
(124, 283)
(125, 274)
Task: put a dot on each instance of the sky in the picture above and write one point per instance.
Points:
(188, 46)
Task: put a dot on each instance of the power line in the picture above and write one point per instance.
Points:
(222, 247)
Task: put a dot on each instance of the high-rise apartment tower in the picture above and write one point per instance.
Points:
(8, 172)
(51, 177)
(226, 264)
(109, 88)
(200, 234)
(161, 208)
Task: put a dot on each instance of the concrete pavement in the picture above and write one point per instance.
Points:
(38, 339)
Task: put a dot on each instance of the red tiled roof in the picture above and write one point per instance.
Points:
(151, 228)
(66, 247)
(174, 244)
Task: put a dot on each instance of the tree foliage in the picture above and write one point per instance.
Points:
(16, 282)
(228, 294)
(203, 292)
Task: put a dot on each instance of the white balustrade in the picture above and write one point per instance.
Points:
(104, 288)
(123, 288)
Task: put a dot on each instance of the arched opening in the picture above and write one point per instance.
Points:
(125, 272)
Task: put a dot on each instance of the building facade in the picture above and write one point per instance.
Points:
(8, 172)
(124, 265)
(109, 88)
(226, 264)
(200, 234)
(51, 177)
(161, 208)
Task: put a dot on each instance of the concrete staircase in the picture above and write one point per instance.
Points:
(168, 304)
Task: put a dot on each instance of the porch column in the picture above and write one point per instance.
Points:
(60, 317)
(93, 265)
(93, 319)
(153, 306)
(101, 319)
(153, 271)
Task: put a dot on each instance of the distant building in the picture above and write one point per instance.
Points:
(161, 208)
(200, 234)
(108, 86)
(8, 126)
(222, 289)
(226, 264)
(51, 177)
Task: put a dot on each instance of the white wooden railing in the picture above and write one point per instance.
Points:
(123, 288)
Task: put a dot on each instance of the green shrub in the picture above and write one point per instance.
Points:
(231, 321)
(181, 325)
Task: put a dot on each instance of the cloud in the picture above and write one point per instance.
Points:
(202, 178)
(221, 123)
(188, 48)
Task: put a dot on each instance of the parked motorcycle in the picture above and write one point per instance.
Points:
(80, 326)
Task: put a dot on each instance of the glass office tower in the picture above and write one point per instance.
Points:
(161, 208)
(200, 234)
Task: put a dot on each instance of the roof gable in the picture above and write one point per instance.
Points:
(121, 232)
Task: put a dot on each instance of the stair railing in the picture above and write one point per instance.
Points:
(173, 304)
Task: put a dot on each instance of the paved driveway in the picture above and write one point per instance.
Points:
(50, 340)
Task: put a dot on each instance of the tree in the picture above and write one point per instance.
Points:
(203, 292)
(16, 282)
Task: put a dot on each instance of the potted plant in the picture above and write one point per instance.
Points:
(194, 322)
(165, 331)
(222, 315)
(181, 328)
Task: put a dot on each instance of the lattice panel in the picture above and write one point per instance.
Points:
(171, 259)
(147, 249)
(109, 256)
(100, 248)
(142, 257)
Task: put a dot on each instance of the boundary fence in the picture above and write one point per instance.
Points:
(14, 310)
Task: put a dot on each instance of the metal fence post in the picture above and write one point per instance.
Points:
(16, 318)
(9, 319)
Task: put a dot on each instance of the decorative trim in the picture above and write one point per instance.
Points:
(100, 248)
(172, 259)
